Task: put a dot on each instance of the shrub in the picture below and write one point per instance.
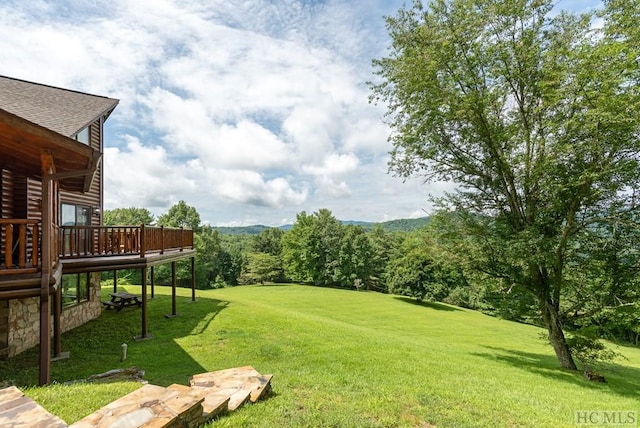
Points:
(591, 353)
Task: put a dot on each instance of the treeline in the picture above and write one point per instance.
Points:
(320, 250)
(317, 249)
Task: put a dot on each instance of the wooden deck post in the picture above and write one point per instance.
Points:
(115, 281)
(57, 331)
(193, 279)
(143, 241)
(153, 282)
(45, 340)
(8, 250)
(143, 335)
(173, 289)
(45, 306)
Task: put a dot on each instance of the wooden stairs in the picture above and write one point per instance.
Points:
(207, 396)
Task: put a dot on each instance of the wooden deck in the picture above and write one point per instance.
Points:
(93, 248)
(151, 406)
(130, 261)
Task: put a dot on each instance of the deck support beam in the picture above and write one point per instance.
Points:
(153, 282)
(45, 339)
(45, 306)
(143, 335)
(193, 279)
(57, 311)
(173, 289)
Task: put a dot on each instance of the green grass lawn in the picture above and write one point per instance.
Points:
(339, 359)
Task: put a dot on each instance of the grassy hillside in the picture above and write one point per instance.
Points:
(339, 358)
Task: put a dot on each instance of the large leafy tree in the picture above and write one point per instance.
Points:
(127, 217)
(262, 267)
(412, 270)
(420, 269)
(269, 241)
(354, 267)
(209, 257)
(310, 249)
(534, 116)
(382, 244)
(181, 215)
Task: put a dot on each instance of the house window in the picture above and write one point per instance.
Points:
(83, 136)
(75, 240)
(75, 289)
(75, 215)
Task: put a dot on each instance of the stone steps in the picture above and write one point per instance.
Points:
(18, 410)
(208, 395)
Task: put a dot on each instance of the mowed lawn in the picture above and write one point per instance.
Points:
(339, 359)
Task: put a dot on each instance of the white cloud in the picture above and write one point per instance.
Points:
(312, 127)
(143, 176)
(367, 134)
(188, 129)
(336, 165)
(251, 188)
(251, 111)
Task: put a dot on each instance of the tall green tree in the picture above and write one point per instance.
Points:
(298, 252)
(261, 268)
(209, 253)
(269, 241)
(310, 249)
(533, 115)
(127, 217)
(418, 268)
(382, 245)
(354, 268)
(181, 215)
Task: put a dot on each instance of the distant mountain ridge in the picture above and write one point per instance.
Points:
(399, 225)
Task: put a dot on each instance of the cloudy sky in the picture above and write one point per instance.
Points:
(249, 110)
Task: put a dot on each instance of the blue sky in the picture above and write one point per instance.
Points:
(251, 111)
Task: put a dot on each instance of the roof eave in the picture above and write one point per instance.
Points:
(104, 114)
(44, 139)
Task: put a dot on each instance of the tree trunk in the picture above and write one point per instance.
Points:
(556, 335)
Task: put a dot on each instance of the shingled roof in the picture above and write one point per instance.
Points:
(60, 110)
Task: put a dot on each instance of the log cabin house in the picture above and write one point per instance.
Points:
(53, 245)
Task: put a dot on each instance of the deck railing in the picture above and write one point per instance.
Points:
(96, 241)
(160, 239)
(19, 246)
(21, 243)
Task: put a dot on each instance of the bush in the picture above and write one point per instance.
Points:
(591, 353)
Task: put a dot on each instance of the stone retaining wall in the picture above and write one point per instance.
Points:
(24, 318)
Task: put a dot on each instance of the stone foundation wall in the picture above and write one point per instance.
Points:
(24, 325)
(24, 318)
(4, 328)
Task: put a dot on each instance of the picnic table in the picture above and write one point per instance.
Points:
(122, 299)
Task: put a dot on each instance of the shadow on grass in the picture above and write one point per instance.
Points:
(621, 380)
(96, 346)
(273, 284)
(431, 305)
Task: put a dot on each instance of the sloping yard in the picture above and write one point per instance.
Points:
(339, 358)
